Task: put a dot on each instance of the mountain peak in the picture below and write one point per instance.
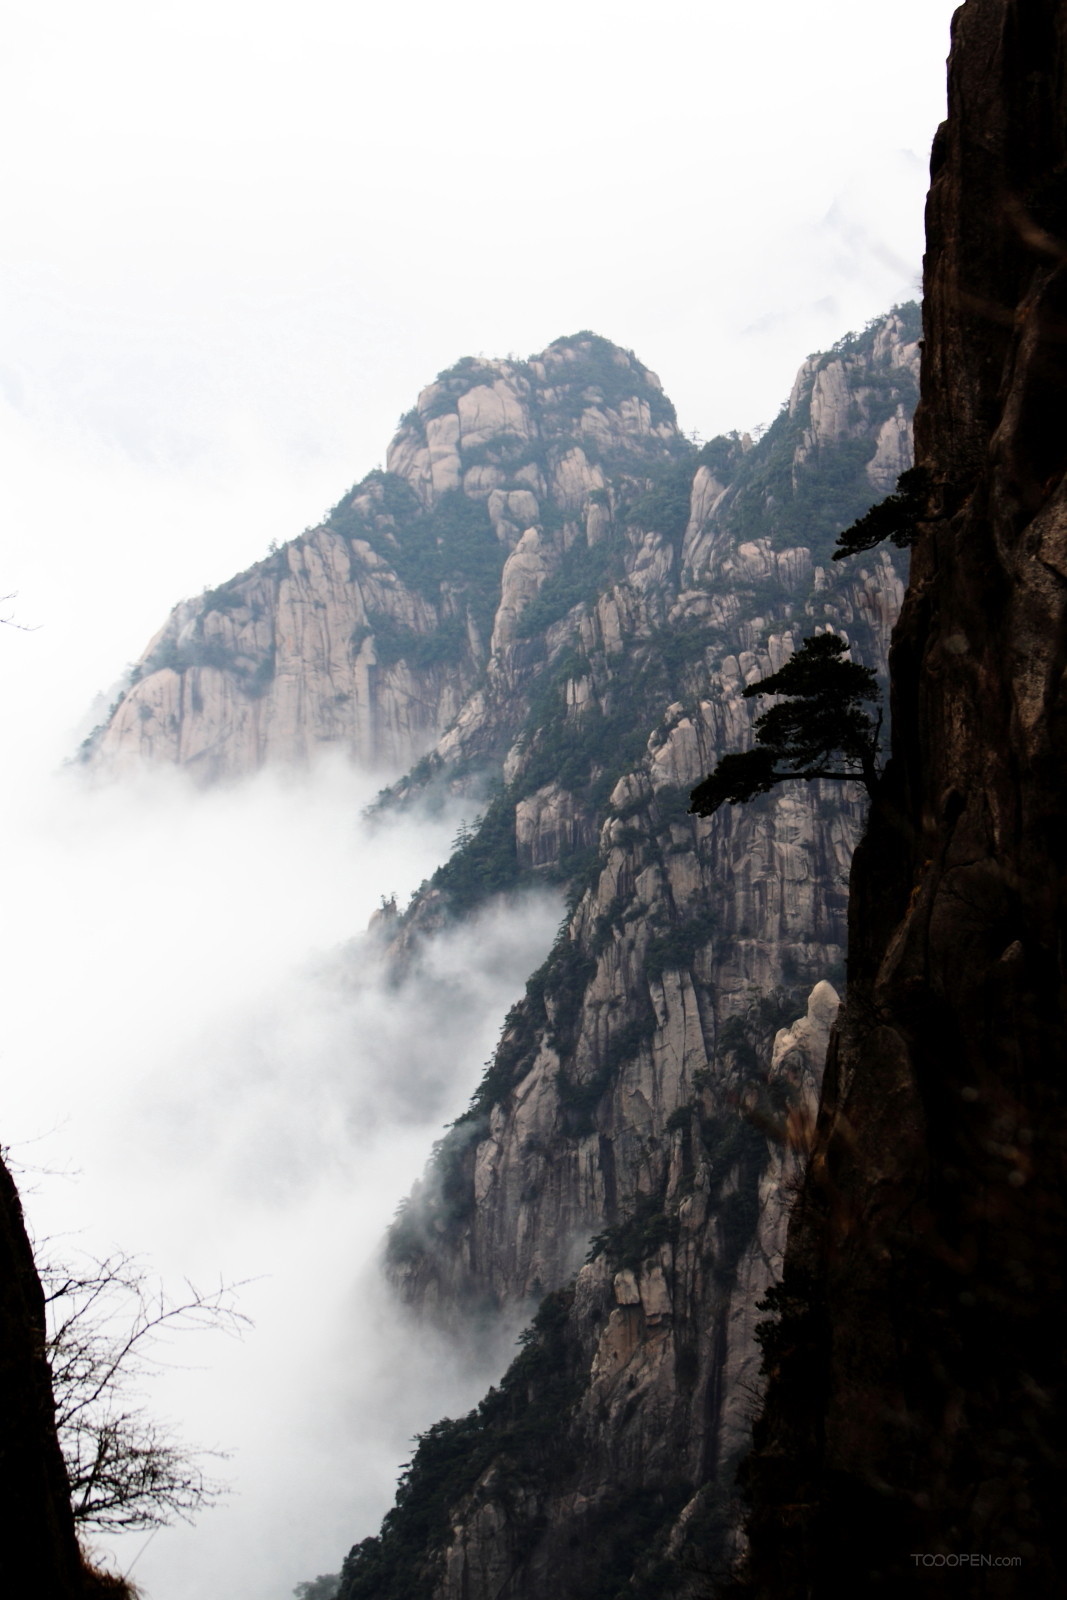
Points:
(543, 425)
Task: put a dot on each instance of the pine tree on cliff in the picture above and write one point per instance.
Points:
(818, 730)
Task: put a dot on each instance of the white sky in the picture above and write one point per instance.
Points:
(235, 241)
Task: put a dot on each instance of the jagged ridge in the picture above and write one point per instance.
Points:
(634, 585)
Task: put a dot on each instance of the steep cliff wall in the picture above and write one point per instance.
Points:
(556, 601)
(370, 631)
(604, 1463)
(678, 924)
(917, 1411)
(641, 1095)
(38, 1551)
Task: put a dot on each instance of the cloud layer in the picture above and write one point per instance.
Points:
(220, 1078)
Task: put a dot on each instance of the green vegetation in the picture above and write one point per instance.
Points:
(445, 1196)
(671, 806)
(583, 752)
(457, 380)
(818, 729)
(556, 988)
(567, 974)
(745, 1039)
(626, 1043)
(324, 1587)
(624, 1538)
(394, 642)
(578, 1101)
(664, 507)
(896, 518)
(792, 1326)
(487, 863)
(518, 1428)
(628, 1243)
(253, 675)
(812, 504)
(583, 574)
(587, 752)
(722, 456)
(225, 598)
(672, 948)
(453, 545)
(596, 367)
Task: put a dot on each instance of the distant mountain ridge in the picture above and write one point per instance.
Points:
(551, 602)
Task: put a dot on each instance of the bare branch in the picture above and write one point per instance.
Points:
(106, 1321)
(9, 621)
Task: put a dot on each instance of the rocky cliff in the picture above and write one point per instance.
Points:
(371, 631)
(915, 1423)
(604, 1462)
(39, 1552)
(644, 1092)
(679, 926)
(555, 601)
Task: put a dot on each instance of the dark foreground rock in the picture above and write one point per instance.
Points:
(915, 1426)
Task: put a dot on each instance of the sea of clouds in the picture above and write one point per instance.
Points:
(207, 1063)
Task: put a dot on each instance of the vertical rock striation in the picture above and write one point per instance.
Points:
(605, 1460)
(370, 632)
(555, 601)
(678, 926)
(916, 1412)
(644, 1093)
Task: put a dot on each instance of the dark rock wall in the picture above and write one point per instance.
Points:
(916, 1412)
(38, 1551)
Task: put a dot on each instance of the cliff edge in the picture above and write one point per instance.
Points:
(915, 1420)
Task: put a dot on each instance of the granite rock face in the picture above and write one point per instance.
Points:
(369, 632)
(630, 696)
(645, 1094)
(918, 1397)
(665, 1358)
(554, 602)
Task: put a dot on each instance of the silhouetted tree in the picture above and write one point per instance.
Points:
(324, 1587)
(895, 518)
(817, 730)
(104, 1318)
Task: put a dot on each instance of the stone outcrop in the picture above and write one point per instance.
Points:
(918, 1401)
(369, 632)
(39, 1553)
(555, 601)
(637, 1096)
(611, 1445)
(679, 922)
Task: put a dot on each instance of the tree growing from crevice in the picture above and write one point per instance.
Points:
(895, 518)
(819, 729)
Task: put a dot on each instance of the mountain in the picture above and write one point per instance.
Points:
(373, 630)
(551, 602)
(916, 1422)
(410, 605)
(646, 1093)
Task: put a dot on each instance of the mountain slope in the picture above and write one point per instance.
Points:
(679, 925)
(370, 631)
(555, 601)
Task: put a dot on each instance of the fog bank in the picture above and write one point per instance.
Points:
(201, 1065)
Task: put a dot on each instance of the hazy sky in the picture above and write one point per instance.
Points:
(236, 240)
